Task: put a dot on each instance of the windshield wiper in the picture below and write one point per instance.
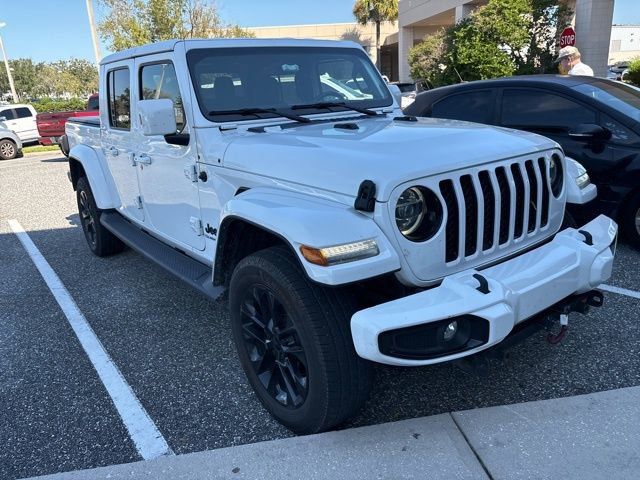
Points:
(256, 111)
(329, 105)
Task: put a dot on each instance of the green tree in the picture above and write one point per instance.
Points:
(24, 72)
(376, 11)
(502, 38)
(633, 75)
(129, 23)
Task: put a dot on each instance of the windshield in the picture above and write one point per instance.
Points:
(230, 79)
(616, 95)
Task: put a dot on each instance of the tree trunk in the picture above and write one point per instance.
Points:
(378, 45)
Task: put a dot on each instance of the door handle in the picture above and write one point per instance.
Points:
(114, 151)
(143, 158)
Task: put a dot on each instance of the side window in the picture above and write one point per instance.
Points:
(471, 107)
(619, 133)
(537, 108)
(159, 80)
(119, 98)
(8, 114)
(23, 112)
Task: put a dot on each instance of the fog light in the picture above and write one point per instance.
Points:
(450, 331)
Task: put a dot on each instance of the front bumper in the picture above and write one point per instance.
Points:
(575, 261)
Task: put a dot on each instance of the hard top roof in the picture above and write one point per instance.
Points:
(169, 45)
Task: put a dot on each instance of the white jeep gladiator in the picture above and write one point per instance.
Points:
(345, 233)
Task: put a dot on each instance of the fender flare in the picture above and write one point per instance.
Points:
(300, 219)
(92, 166)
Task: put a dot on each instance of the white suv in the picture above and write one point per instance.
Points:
(20, 119)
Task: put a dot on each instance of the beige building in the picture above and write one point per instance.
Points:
(364, 35)
(625, 43)
(419, 18)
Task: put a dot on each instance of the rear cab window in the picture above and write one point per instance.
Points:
(119, 98)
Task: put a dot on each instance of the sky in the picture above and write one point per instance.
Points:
(48, 30)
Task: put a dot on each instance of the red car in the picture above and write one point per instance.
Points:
(51, 125)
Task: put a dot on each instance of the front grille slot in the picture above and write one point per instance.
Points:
(495, 207)
(471, 215)
(489, 209)
(452, 229)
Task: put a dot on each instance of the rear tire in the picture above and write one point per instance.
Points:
(100, 240)
(8, 150)
(294, 342)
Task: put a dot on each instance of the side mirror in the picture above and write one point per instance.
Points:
(589, 131)
(397, 94)
(157, 117)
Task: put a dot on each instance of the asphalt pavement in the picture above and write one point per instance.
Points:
(174, 349)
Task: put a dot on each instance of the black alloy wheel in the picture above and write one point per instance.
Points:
(87, 219)
(100, 240)
(274, 348)
(294, 343)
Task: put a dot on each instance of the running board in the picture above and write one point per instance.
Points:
(196, 274)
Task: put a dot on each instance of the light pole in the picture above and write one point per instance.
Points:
(94, 34)
(14, 95)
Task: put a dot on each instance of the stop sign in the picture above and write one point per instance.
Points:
(568, 37)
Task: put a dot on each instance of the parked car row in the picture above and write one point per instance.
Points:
(595, 120)
(17, 127)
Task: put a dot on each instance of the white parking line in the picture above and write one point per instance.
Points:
(620, 291)
(143, 432)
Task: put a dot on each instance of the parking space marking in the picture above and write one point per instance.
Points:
(143, 432)
(619, 291)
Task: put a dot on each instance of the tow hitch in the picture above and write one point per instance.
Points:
(577, 303)
(478, 364)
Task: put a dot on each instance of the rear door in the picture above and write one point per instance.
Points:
(474, 106)
(118, 138)
(167, 172)
(26, 124)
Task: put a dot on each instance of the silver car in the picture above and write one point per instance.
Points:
(10, 144)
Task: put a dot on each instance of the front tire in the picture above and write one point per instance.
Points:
(294, 342)
(8, 150)
(100, 240)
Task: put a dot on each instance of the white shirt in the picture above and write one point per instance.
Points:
(581, 69)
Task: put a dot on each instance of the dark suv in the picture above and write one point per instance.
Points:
(595, 120)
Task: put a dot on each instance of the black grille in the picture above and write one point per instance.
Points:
(452, 230)
(519, 189)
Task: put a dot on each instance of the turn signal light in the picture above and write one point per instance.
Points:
(348, 252)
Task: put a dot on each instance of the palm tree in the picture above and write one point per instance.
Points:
(376, 11)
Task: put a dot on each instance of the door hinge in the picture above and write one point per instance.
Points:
(191, 172)
(196, 226)
(139, 202)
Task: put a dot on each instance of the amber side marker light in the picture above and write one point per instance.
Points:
(348, 252)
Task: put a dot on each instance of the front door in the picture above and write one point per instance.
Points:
(168, 180)
(118, 137)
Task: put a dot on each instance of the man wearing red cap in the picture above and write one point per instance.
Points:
(569, 62)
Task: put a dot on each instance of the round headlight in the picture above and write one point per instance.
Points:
(410, 210)
(418, 214)
(556, 177)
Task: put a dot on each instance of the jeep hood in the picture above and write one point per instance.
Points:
(388, 152)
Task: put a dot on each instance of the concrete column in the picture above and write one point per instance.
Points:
(463, 11)
(592, 23)
(405, 42)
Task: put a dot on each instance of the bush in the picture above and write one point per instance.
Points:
(633, 75)
(47, 105)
